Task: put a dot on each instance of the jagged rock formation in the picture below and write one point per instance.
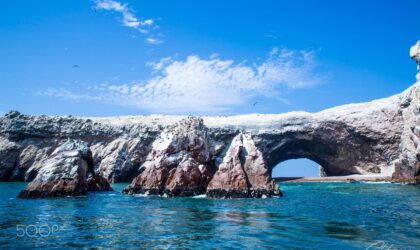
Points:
(220, 156)
(179, 163)
(243, 172)
(64, 173)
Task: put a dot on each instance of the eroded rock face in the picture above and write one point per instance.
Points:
(179, 163)
(115, 162)
(243, 172)
(64, 173)
(220, 156)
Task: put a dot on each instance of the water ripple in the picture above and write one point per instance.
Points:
(309, 216)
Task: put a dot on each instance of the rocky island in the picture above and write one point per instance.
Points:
(222, 157)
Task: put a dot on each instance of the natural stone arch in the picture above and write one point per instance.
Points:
(337, 147)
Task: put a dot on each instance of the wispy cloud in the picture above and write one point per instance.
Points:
(129, 19)
(206, 85)
(272, 35)
(66, 94)
(153, 40)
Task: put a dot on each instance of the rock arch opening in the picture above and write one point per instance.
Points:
(336, 156)
(301, 167)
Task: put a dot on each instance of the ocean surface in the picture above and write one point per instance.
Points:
(309, 216)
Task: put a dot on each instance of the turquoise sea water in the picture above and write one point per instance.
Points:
(309, 216)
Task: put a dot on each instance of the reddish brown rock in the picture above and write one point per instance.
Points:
(186, 179)
(242, 173)
(179, 163)
(150, 181)
(98, 183)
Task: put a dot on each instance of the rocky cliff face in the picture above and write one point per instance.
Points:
(65, 173)
(218, 156)
(179, 162)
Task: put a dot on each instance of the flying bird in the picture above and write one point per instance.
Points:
(75, 66)
(255, 103)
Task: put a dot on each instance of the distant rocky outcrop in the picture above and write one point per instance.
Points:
(218, 156)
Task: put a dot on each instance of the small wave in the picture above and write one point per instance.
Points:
(377, 182)
(340, 193)
(200, 196)
(141, 195)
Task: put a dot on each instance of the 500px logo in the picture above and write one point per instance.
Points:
(37, 230)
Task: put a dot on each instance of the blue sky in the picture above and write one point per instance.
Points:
(202, 57)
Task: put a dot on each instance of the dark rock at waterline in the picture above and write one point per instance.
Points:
(243, 193)
(98, 183)
(51, 189)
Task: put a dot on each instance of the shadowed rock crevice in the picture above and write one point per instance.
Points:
(244, 164)
(9, 153)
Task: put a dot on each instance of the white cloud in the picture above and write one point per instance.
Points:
(206, 85)
(153, 40)
(148, 22)
(129, 19)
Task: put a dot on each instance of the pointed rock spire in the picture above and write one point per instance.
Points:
(415, 55)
